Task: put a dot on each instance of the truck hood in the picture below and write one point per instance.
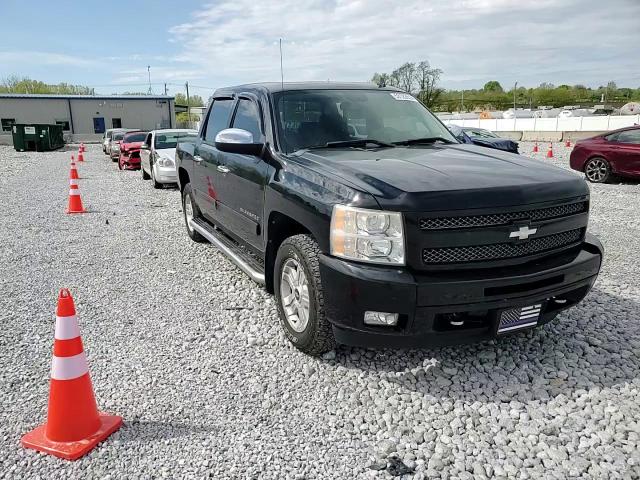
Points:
(431, 178)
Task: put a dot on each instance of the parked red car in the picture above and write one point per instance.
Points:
(612, 153)
(130, 150)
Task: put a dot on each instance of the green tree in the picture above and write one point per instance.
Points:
(493, 86)
(194, 101)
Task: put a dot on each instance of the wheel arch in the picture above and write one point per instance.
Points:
(183, 178)
(280, 227)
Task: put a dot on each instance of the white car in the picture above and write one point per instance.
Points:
(157, 155)
(108, 136)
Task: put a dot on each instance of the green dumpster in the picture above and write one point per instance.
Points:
(37, 137)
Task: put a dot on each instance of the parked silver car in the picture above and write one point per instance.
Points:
(157, 154)
(110, 145)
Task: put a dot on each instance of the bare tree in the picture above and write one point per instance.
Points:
(380, 79)
(427, 80)
(406, 75)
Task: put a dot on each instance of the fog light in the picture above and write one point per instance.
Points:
(380, 318)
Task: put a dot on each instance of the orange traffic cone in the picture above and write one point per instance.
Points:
(567, 143)
(550, 151)
(74, 425)
(80, 156)
(75, 202)
(74, 171)
(535, 147)
(82, 149)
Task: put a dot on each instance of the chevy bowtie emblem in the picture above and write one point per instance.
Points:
(523, 232)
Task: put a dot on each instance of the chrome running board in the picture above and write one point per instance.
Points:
(232, 250)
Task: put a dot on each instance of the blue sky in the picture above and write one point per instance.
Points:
(109, 44)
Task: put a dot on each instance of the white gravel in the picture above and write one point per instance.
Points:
(189, 351)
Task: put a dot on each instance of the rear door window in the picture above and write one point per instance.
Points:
(218, 119)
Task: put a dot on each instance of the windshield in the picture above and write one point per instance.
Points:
(171, 139)
(118, 136)
(135, 137)
(312, 118)
(480, 133)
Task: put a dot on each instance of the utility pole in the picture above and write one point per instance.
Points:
(462, 101)
(165, 89)
(515, 87)
(188, 106)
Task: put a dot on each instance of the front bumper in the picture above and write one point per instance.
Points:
(129, 162)
(165, 174)
(427, 301)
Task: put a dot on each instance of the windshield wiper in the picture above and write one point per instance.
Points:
(360, 142)
(423, 141)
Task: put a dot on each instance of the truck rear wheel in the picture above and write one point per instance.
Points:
(299, 295)
(190, 211)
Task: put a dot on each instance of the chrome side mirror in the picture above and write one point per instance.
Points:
(237, 140)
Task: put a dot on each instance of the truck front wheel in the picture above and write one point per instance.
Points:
(299, 295)
(190, 211)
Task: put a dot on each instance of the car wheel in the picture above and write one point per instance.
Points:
(190, 210)
(115, 159)
(153, 179)
(120, 164)
(597, 170)
(145, 175)
(299, 295)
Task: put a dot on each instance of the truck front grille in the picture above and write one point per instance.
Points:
(471, 221)
(501, 250)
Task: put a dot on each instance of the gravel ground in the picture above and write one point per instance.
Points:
(190, 353)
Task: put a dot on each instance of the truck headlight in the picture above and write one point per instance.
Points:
(373, 236)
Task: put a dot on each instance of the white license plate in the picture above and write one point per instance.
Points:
(518, 318)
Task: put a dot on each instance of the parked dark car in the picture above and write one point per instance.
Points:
(483, 138)
(404, 238)
(604, 156)
(129, 158)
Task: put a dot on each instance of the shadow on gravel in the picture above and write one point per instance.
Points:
(150, 430)
(595, 345)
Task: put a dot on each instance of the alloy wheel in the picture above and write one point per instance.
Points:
(188, 211)
(596, 170)
(294, 294)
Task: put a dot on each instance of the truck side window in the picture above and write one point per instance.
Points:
(248, 118)
(218, 119)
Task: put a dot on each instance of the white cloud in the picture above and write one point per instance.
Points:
(44, 58)
(577, 41)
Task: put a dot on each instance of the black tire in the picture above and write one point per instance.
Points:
(597, 170)
(153, 180)
(195, 236)
(145, 175)
(114, 159)
(120, 165)
(317, 337)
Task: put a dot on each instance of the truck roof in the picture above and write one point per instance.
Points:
(274, 87)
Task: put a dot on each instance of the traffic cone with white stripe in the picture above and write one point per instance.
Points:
(74, 425)
(75, 202)
(74, 171)
(80, 156)
(550, 151)
(535, 147)
(567, 143)
(82, 148)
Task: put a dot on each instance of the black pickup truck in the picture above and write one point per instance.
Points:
(374, 226)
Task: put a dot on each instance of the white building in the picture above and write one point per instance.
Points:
(85, 117)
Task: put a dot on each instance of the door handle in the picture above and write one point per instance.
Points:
(197, 158)
(223, 169)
